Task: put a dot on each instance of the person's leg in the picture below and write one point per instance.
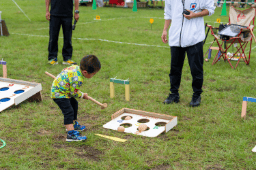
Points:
(196, 60)
(74, 104)
(67, 110)
(177, 61)
(53, 38)
(67, 35)
(154, 3)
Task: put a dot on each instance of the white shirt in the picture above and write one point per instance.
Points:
(184, 32)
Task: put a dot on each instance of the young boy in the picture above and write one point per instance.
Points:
(65, 88)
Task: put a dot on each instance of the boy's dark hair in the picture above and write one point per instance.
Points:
(90, 63)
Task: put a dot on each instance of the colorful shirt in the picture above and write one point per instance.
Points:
(67, 83)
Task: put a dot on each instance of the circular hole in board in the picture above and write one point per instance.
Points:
(19, 91)
(143, 121)
(159, 124)
(144, 130)
(124, 117)
(4, 88)
(126, 125)
(5, 100)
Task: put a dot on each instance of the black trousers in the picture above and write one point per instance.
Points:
(69, 109)
(55, 24)
(243, 3)
(195, 60)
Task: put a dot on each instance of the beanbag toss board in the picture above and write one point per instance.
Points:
(157, 123)
(16, 91)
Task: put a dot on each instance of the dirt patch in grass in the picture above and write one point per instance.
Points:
(215, 167)
(60, 137)
(162, 167)
(128, 136)
(87, 116)
(85, 152)
(185, 118)
(44, 132)
(212, 80)
(89, 152)
(26, 125)
(187, 78)
(175, 131)
(164, 137)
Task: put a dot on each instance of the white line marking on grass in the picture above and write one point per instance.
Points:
(107, 20)
(251, 49)
(104, 40)
(209, 42)
(21, 10)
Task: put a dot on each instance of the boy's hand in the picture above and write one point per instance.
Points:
(85, 96)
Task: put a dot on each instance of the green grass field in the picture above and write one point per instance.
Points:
(212, 136)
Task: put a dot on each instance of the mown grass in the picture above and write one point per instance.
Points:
(212, 136)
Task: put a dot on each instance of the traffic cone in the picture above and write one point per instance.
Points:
(94, 6)
(134, 8)
(224, 9)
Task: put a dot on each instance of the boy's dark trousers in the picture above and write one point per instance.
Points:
(69, 109)
(55, 23)
(195, 60)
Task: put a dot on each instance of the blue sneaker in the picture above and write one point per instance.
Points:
(79, 127)
(74, 135)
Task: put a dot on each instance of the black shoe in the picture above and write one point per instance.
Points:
(172, 98)
(196, 100)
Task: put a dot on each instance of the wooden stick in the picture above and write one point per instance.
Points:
(252, 34)
(4, 71)
(112, 90)
(103, 106)
(50, 75)
(127, 92)
(244, 106)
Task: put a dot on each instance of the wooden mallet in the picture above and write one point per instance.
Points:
(103, 106)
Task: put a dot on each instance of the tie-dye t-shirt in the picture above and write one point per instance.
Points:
(67, 83)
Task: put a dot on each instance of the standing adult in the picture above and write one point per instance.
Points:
(242, 4)
(61, 15)
(186, 35)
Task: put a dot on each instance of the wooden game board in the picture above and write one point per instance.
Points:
(157, 123)
(16, 91)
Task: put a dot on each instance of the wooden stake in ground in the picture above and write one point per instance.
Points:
(4, 68)
(103, 106)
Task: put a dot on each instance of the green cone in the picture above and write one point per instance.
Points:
(134, 8)
(224, 9)
(94, 6)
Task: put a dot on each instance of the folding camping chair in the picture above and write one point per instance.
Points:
(237, 33)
